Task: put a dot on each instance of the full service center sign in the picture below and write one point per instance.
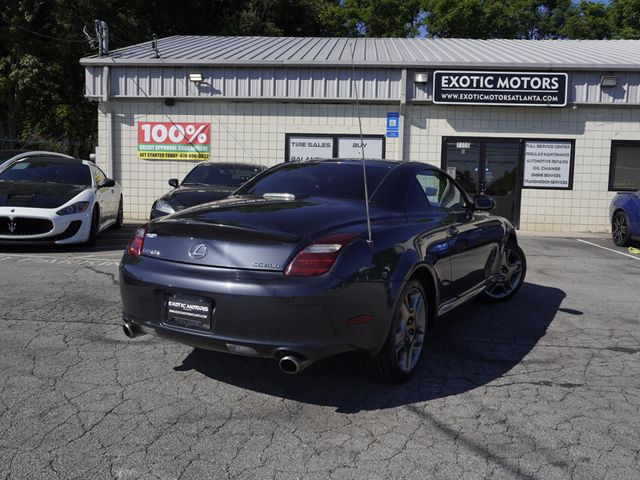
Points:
(547, 164)
(500, 88)
(173, 141)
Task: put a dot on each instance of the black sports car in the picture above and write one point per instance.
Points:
(285, 268)
(206, 182)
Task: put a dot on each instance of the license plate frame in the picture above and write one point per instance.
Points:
(188, 311)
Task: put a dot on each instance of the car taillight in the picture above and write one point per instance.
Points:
(317, 258)
(137, 242)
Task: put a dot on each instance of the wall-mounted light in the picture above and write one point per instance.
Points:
(195, 77)
(420, 77)
(608, 81)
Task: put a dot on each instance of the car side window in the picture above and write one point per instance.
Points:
(98, 175)
(440, 190)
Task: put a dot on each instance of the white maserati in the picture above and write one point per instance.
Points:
(48, 197)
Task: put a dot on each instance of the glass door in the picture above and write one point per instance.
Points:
(486, 165)
(500, 175)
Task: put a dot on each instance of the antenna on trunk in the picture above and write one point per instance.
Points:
(364, 168)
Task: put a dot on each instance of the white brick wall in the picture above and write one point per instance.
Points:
(255, 132)
(584, 208)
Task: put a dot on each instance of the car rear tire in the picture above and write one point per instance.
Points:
(120, 215)
(620, 232)
(513, 268)
(95, 225)
(400, 355)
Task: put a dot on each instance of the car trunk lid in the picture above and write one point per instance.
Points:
(249, 232)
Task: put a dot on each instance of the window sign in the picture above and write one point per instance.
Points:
(351, 147)
(173, 141)
(500, 88)
(302, 149)
(547, 164)
(307, 147)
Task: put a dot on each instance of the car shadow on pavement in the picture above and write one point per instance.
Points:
(469, 347)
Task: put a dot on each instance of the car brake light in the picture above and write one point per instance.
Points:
(317, 258)
(137, 242)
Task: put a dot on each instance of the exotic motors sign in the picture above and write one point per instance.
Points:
(500, 88)
(173, 141)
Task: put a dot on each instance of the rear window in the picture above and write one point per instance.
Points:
(343, 180)
(231, 176)
(43, 170)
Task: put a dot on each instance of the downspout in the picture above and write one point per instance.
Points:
(401, 112)
(106, 88)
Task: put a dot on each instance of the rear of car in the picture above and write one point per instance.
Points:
(266, 272)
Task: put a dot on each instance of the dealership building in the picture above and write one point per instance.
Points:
(550, 128)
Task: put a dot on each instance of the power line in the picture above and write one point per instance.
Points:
(42, 35)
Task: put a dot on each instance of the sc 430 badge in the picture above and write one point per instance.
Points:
(270, 266)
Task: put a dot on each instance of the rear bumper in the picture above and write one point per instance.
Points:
(265, 311)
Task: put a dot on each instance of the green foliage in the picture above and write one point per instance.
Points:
(528, 19)
(624, 17)
(589, 21)
(382, 18)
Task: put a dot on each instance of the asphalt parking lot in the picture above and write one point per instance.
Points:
(543, 387)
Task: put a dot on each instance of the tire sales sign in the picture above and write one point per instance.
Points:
(500, 88)
(173, 141)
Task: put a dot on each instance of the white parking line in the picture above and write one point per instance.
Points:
(608, 249)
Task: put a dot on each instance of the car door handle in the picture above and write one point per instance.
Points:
(452, 232)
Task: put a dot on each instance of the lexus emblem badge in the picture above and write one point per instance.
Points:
(199, 250)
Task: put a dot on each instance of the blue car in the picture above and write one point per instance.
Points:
(625, 218)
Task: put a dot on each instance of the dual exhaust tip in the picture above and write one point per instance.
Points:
(290, 364)
(131, 330)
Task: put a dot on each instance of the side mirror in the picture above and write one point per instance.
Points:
(108, 183)
(483, 202)
(173, 182)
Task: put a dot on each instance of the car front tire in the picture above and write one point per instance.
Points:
(95, 225)
(400, 355)
(120, 214)
(512, 270)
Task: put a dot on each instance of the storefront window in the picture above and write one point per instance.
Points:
(625, 166)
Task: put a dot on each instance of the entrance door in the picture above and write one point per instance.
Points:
(486, 166)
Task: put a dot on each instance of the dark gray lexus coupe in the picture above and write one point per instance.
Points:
(285, 269)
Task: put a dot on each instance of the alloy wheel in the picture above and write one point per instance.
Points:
(619, 229)
(510, 275)
(410, 329)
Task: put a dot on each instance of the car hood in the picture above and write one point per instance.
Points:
(188, 196)
(37, 194)
(252, 232)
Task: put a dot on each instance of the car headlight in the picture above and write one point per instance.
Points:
(78, 207)
(163, 206)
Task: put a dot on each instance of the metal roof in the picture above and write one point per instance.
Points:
(380, 52)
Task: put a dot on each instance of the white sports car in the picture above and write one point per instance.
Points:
(48, 197)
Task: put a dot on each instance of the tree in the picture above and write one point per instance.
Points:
(382, 18)
(528, 19)
(624, 17)
(588, 21)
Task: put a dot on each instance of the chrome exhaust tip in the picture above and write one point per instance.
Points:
(293, 364)
(131, 330)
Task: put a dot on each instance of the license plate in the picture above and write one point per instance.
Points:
(188, 311)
